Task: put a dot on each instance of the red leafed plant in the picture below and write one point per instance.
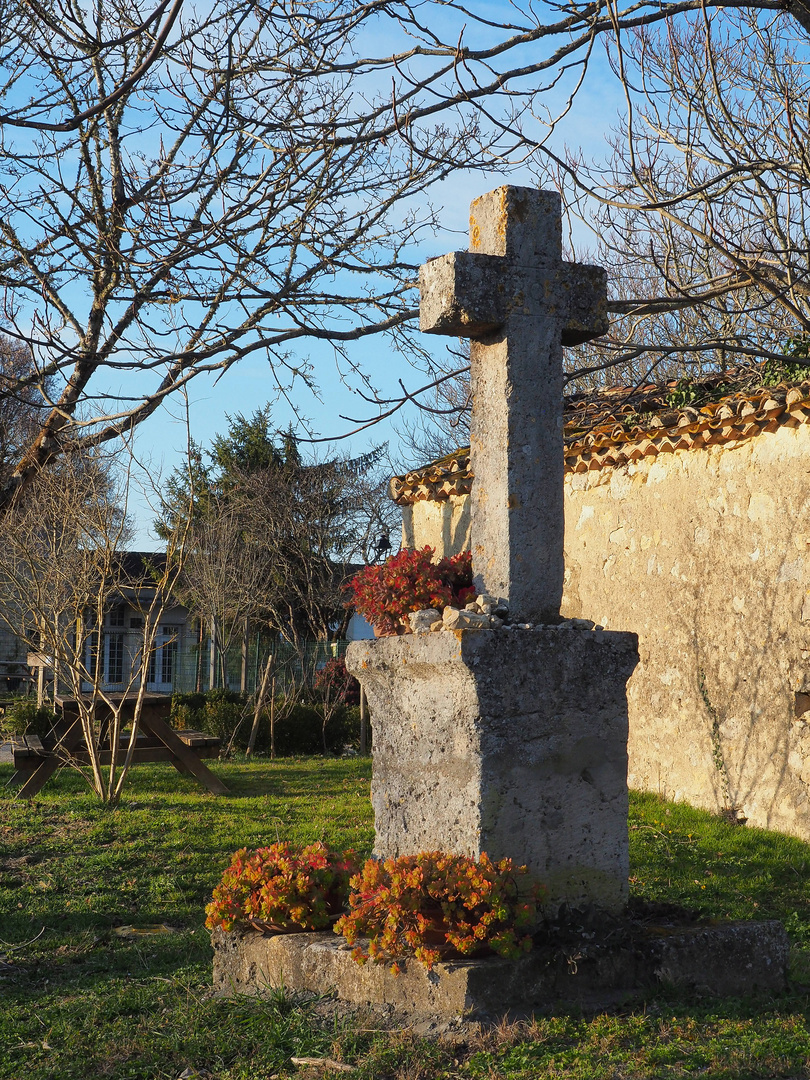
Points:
(284, 887)
(433, 904)
(333, 681)
(410, 581)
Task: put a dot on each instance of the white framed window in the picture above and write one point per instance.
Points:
(113, 658)
(163, 659)
(107, 650)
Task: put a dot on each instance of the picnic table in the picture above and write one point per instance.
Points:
(35, 760)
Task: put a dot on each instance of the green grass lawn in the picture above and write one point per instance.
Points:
(78, 1000)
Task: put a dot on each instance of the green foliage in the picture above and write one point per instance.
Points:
(428, 904)
(298, 727)
(691, 392)
(794, 368)
(299, 730)
(799, 346)
(718, 757)
(249, 447)
(283, 528)
(223, 714)
(80, 1001)
(23, 717)
(283, 887)
(776, 372)
(219, 712)
(186, 710)
(188, 495)
(685, 393)
(798, 928)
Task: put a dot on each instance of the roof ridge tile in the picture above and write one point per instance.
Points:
(602, 432)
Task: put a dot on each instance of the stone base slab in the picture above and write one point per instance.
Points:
(728, 960)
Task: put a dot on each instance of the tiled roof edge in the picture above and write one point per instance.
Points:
(610, 446)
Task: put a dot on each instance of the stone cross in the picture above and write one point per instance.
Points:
(513, 295)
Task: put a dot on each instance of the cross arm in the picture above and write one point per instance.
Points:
(585, 289)
(463, 294)
(468, 294)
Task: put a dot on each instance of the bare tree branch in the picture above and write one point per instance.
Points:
(14, 120)
(238, 182)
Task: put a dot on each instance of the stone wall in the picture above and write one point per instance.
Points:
(444, 524)
(705, 554)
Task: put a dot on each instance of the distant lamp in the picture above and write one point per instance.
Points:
(380, 546)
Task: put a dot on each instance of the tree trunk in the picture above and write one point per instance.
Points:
(212, 655)
(273, 721)
(243, 677)
(363, 723)
(198, 675)
(257, 711)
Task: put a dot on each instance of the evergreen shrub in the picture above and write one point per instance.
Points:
(298, 729)
(23, 717)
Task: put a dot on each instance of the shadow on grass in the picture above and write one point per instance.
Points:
(689, 856)
(73, 959)
(291, 777)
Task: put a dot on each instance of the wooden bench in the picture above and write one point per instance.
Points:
(28, 750)
(35, 762)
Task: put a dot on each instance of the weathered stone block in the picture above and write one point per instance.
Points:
(522, 225)
(585, 289)
(513, 743)
(422, 621)
(467, 294)
(730, 959)
(517, 511)
(460, 294)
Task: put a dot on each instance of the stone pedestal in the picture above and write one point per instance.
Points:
(509, 742)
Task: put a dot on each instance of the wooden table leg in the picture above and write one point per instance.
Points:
(183, 755)
(48, 766)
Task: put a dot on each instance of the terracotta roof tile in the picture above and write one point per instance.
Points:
(608, 428)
